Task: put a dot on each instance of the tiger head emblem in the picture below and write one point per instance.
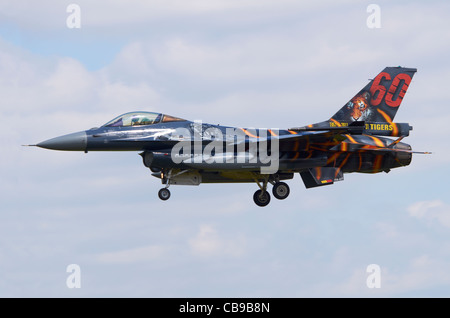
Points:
(359, 106)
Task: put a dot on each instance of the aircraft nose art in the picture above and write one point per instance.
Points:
(75, 141)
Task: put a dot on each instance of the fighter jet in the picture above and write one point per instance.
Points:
(361, 137)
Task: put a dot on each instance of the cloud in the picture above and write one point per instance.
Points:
(422, 275)
(118, 14)
(133, 255)
(387, 230)
(208, 243)
(431, 211)
(265, 56)
(58, 93)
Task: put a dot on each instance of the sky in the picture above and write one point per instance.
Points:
(246, 63)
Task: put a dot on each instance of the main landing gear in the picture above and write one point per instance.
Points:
(280, 191)
(261, 197)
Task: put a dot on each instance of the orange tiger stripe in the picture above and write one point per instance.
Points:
(389, 120)
(249, 134)
(377, 163)
(377, 141)
(336, 122)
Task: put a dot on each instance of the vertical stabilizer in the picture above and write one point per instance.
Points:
(380, 99)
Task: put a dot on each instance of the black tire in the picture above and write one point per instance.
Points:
(280, 190)
(260, 198)
(164, 194)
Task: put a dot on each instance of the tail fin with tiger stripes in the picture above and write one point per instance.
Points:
(379, 100)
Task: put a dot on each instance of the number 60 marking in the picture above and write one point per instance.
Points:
(378, 91)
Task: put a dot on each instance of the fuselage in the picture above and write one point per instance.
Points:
(353, 153)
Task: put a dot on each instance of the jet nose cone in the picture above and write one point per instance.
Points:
(75, 141)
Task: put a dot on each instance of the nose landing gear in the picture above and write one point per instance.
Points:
(164, 194)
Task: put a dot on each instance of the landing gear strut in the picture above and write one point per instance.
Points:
(164, 193)
(166, 176)
(261, 196)
(280, 190)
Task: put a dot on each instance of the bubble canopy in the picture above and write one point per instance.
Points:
(140, 119)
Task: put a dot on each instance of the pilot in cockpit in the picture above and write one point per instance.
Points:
(135, 121)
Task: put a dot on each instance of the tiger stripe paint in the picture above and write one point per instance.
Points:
(333, 158)
(389, 120)
(248, 133)
(377, 163)
(296, 156)
(344, 161)
(338, 124)
(385, 116)
(352, 140)
(360, 162)
(378, 142)
(318, 173)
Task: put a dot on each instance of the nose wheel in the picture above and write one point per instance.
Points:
(164, 194)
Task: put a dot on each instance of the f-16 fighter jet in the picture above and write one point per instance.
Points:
(361, 137)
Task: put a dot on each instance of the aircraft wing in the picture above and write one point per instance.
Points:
(298, 140)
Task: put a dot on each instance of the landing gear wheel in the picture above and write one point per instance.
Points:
(164, 194)
(280, 190)
(261, 198)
